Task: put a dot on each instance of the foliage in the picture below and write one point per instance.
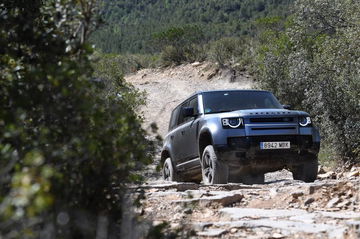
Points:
(231, 52)
(131, 24)
(180, 44)
(125, 63)
(314, 64)
(66, 142)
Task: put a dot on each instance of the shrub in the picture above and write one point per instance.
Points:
(180, 44)
(314, 65)
(66, 144)
(127, 63)
(232, 52)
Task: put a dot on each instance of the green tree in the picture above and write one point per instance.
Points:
(313, 64)
(180, 44)
(67, 141)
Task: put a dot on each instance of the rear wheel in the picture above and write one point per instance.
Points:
(169, 174)
(213, 170)
(306, 172)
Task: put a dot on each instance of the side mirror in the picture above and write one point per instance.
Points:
(188, 112)
(287, 107)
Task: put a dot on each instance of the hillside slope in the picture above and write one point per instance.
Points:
(131, 24)
(166, 88)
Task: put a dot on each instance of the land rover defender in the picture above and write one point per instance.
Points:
(238, 136)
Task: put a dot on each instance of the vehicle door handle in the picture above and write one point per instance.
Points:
(172, 137)
(182, 132)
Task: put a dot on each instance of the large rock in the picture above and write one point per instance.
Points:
(238, 213)
(225, 199)
(212, 233)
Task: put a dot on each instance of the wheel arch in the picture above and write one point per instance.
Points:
(205, 139)
(164, 155)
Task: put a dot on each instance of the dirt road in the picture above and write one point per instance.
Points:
(280, 208)
(166, 88)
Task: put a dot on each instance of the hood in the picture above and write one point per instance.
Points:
(262, 113)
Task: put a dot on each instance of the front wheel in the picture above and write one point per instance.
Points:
(213, 170)
(306, 172)
(169, 174)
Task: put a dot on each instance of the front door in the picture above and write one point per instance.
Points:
(190, 132)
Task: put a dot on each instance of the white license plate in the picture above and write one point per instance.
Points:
(275, 145)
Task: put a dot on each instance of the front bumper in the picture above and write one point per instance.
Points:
(246, 151)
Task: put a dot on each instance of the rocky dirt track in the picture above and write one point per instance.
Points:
(280, 208)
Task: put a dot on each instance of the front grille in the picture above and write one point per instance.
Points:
(272, 120)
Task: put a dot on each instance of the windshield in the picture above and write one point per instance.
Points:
(224, 101)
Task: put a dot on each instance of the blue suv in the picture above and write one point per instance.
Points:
(238, 136)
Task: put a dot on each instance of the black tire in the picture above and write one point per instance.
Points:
(169, 174)
(213, 170)
(306, 172)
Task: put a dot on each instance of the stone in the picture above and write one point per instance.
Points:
(321, 170)
(333, 202)
(212, 74)
(328, 175)
(285, 225)
(297, 194)
(188, 211)
(353, 174)
(175, 226)
(340, 215)
(157, 223)
(273, 192)
(354, 169)
(343, 204)
(212, 233)
(178, 208)
(201, 226)
(238, 213)
(177, 216)
(319, 185)
(196, 63)
(309, 201)
(277, 235)
(223, 199)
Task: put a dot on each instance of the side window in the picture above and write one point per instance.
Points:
(194, 104)
(181, 116)
(174, 118)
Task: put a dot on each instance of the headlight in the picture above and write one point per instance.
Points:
(304, 121)
(232, 122)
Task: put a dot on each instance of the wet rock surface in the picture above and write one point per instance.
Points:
(280, 208)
